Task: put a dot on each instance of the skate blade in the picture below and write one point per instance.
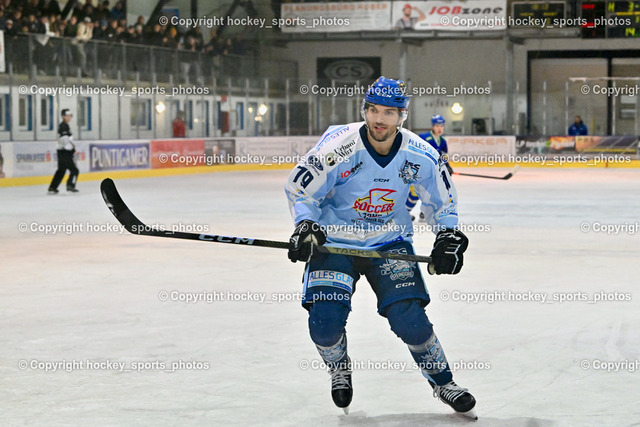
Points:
(470, 414)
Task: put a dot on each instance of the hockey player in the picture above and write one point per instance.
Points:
(349, 192)
(66, 150)
(435, 139)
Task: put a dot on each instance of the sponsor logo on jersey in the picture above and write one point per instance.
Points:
(345, 149)
(351, 171)
(330, 159)
(409, 172)
(375, 205)
(330, 278)
(333, 134)
(398, 269)
(405, 284)
(381, 180)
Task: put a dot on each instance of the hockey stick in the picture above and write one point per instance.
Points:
(135, 226)
(507, 176)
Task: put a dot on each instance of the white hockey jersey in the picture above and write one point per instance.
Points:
(358, 196)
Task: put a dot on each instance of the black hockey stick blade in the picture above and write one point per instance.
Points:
(133, 225)
(507, 176)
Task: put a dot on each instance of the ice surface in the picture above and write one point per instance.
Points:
(95, 296)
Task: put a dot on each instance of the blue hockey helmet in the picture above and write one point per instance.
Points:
(437, 120)
(387, 92)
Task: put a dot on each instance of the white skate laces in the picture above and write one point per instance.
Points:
(449, 392)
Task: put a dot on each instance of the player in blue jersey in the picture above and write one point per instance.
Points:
(436, 140)
(349, 191)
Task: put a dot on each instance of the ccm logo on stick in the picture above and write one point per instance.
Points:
(224, 239)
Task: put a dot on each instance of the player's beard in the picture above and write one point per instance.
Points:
(381, 135)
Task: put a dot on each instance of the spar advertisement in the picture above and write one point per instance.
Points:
(38, 158)
(171, 153)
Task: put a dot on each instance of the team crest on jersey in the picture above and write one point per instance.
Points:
(409, 172)
(398, 269)
(375, 205)
(314, 162)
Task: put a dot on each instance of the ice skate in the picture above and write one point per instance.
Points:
(341, 386)
(457, 397)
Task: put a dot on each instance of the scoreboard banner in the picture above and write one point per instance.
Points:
(480, 15)
(335, 17)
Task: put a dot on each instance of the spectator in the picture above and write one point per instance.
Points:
(31, 8)
(179, 127)
(196, 33)
(88, 8)
(50, 8)
(112, 32)
(101, 13)
(33, 25)
(118, 12)
(100, 32)
(578, 127)
(3, 21)
(171, 40)
(130, 36)
(17, 20)
(11, 32)
(85, 33)
(71, 29)
(156, 37)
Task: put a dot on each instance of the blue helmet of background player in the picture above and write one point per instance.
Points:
(437, 120)
(387, 92)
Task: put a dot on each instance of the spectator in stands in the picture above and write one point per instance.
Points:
(112, 32)
(30, 8)
(85, 33)
(118, 12)
(101, 13)
(172, 39)
(131, 37)
(578, 127)
(71, 29)
(50, 8)
(196, 33)
(33, 24)
(100, 31)
(179, 127)
(88, 8)
(11, 33)
(17, 20)
(3, 21)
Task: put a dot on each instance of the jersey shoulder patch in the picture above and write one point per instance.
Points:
(417, 145)
(338, 143)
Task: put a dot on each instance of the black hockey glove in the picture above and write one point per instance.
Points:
(447, 251)
(306, 232)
